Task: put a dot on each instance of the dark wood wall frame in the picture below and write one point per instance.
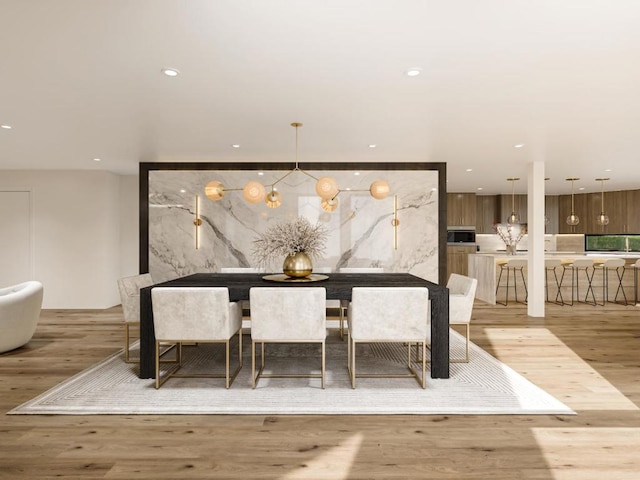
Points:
(441, 168)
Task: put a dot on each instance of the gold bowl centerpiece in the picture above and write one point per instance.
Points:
(297, 240)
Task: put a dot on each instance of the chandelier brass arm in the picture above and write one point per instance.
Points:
(326, 187)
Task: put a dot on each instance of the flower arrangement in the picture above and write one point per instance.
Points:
(511, 234)
(288, 238)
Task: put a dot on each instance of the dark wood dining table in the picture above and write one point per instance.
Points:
(338, 287)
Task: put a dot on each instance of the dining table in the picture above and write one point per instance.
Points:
(338, 287)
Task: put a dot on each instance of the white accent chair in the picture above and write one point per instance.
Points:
(20, 307)
(287, 315)
(344, 304)
(129, 288)
(388, 314)
(462, 292)
(195, 315)
(331, 304)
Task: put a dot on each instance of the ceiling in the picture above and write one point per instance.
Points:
(82, 79)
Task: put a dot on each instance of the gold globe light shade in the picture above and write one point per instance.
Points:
(379, 189)
(329, 204)
(273, 199)
(327, 187)
(253, 192)
(214, 190)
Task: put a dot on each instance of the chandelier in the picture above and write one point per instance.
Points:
(326, 187)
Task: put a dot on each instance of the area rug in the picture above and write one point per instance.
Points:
(482, 386)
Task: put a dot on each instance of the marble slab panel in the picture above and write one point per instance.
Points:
(361, 233)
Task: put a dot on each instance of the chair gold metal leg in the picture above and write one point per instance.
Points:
(127, 340)
(253, 364)
(466, 358)
(424, 365)
(157, 365)
(323, 364)
(226, 366)
(353, 363)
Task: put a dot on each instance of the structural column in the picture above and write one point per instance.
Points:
(535, 214)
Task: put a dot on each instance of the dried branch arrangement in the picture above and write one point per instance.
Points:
(288, 238)
(509, 233)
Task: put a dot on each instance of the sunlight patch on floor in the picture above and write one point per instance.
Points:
(332, 465)
(552, 365)
(590, 453)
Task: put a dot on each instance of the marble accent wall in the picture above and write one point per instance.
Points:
(360, 228)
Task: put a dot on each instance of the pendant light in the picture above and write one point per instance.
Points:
(603, 218)
(514, 217)
(572, 219)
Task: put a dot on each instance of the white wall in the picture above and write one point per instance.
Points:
(129, 231)
(80, 234)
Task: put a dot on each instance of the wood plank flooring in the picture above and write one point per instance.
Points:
(589, 357)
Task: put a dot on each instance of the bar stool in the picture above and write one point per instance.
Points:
(512, 266)
(636, 267)
(550, 264)
(616, 264)
(576, 266)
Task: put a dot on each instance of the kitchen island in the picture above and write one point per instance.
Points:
(486, 268)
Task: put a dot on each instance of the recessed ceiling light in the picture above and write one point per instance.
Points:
(97, 159)
(261, 173)
(581, 188)
(469, 170)
(6, 127)
(235, 145)
(480, 188)
(171, 72)
(518, 145)
(413, 72)
(373, 145)
(356, 173)
(348, 188)
(182, 190)
(607, 170)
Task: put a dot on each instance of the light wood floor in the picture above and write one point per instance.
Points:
(589, 357)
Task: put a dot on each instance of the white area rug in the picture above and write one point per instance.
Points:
(483, 386)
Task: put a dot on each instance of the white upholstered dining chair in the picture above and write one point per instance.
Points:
(244, 303)
(344, 304)
(129, 288)
(462, 293)
(195, 315)
(389, 315)
(287, 315)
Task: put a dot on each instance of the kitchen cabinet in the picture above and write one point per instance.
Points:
(633, 211)
(461, 209)
(457, 259)
(551, 212)
(580, 209)
(486, 213)
(516, 204)
(619, 207)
